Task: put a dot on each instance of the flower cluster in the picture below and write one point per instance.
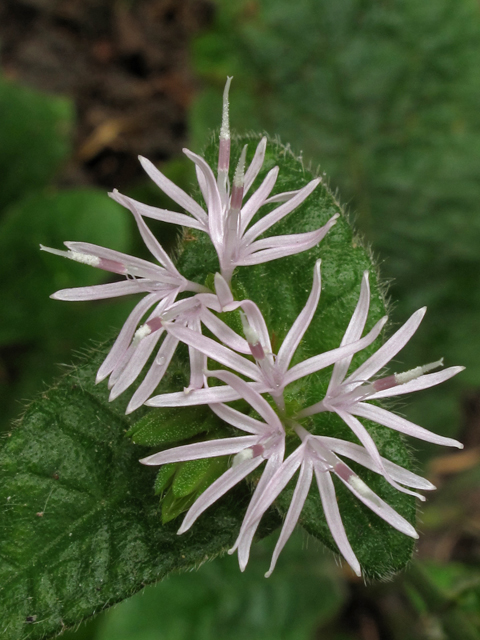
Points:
(174, 310)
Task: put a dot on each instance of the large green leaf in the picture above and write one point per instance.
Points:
(35, 131)
(82, 527)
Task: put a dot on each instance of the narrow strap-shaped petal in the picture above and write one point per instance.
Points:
(257, 199)
(99, 291)
(122, 362)
(125, 336)
(330, 357)
(277, 484)
(238, 419)
(257, 322)
(139, 355)
(253, 398)
(215, 207)
(377, 505)
(223, 332)
(423, 382)
(389, 350)
(389, 419)
(222, 290)
(353, 333)
(153, 245)
(282, 246)
(175, 193)
(298, 500)
(154, 374)
(334, 519)
(280, 212)
(199, 450)
(198, 360)
(245, 537)
(281, 197)
(202, 183)
(133, 265)
(211, 395)
(301, 324)
(157, 214)
(359, 454)
(216, 351)
(219, 488)
(366, 439)
(255, 166)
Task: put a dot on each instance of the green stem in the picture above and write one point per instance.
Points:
(454, 622)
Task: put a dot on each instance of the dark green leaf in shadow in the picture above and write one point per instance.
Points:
(28, 276)
(35, 132)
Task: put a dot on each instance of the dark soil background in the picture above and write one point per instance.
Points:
(125, 65)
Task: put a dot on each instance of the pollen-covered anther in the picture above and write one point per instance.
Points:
(146, 329)
(236, 199)
(224, 145)
(402, 378)
(94, 261)
(252, 338)
(84, 258)
(248, 454)
(238, 181)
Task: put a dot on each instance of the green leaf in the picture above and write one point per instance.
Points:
(28, 276)
(35, 134)
(100, 537)
(161, 427)
(81, 528)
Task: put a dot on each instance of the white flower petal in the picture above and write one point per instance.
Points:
(298, 500)
(389, 419)
(100, 291)
(389, 350)
(301, 324)
(215, 207)
(280, 212)
(238, 419)
(334, 519)
(377, 505)
(219, 488)
(154, 374)
(359, 454)
(175, 193)
(125, 336)
(157, 214)
(199, 450)
(330, 357)
(258, 198)
(354, 332)
(216, 351)
(255, 166)
(258, 403)
(423, 382)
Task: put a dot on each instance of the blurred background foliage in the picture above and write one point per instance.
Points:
(383, 96)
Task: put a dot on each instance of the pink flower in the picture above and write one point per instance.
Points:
(270, 373)
(267, 443)
(320, 456)
(160, 285)
(228, 217)
(346, 396)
